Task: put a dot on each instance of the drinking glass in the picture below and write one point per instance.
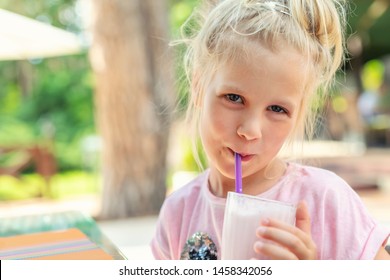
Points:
(243, 214)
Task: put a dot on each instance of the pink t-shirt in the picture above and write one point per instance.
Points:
(341, 226)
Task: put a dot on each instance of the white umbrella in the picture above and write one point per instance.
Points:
(25, 38)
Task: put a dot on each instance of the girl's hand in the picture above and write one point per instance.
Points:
(287, 242)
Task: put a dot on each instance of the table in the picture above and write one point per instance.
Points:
(11, 226)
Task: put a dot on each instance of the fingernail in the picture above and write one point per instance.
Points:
(261, 230)
(258, 245)
(265, 221)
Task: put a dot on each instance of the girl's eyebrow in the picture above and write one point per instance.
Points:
(230, 88)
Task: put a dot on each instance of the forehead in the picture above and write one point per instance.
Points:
(252, 60)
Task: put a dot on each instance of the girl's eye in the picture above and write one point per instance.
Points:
(235, 98)
(277, 109)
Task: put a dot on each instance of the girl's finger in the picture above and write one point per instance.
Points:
(303, 218)
(273, 251)
(304, 236)
(285, 239)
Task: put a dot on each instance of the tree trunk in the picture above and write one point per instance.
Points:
(134, 93)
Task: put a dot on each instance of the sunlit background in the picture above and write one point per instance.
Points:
(77, 131)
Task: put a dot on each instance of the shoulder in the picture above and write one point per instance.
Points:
(321, 186)
(318, 179)
(326, 192)
(338, 215)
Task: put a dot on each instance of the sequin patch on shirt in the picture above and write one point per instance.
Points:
(199, 247)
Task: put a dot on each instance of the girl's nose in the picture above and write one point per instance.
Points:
(250, 129)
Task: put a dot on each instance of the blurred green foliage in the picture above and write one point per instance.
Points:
(63, 185)
(48, 100)
(58, 108)
(180, 11)
(372, 74)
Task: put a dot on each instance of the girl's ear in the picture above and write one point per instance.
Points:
(196, 93)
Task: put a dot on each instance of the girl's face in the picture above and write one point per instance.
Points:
(250, 107)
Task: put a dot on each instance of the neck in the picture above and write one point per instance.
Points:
(253, 184)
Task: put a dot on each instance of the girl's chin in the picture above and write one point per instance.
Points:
(224, 172)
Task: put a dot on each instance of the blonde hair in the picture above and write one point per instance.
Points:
(218, 30)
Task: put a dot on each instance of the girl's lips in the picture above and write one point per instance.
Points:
(244, 157)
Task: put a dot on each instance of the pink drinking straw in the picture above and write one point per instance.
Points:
(238, 173)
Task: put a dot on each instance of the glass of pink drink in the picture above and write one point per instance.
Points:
(243, 214)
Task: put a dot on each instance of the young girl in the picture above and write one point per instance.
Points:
(255, 67)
